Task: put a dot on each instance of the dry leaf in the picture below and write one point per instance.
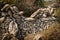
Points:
(37, 36)
(35, 13)
(13, 28)
(29, 18)
(33, 36)
(20, 13)
(2, 19)
(7, 5)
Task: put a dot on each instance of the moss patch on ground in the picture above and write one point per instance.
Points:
(9, 1)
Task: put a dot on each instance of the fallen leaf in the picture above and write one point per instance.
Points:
(2, 19)
(13, 28)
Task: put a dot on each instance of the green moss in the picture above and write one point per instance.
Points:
(9, 1)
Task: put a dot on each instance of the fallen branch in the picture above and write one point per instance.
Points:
(6, 6)
(35, 13)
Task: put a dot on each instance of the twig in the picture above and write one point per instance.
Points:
(7, 5)
(11, 8)
(29, 18)
(2, 19)
(4, 35)
(20, 13)
(35, 13)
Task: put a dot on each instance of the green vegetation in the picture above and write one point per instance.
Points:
(40, 3)
(9, 1)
